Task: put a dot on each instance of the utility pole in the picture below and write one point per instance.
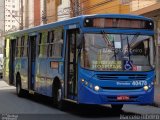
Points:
(75, 7)
(44, 16)
(21, 25)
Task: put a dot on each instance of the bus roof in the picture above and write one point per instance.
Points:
(74, 20)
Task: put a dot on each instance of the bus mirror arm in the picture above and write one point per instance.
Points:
(80, 41)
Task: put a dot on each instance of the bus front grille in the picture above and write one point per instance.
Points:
(121, 76)
(121, 88)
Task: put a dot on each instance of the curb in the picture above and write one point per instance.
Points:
(156, 104)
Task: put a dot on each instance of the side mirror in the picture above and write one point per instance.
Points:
(80, 41)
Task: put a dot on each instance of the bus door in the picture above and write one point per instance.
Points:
(31, 62)
(12, 60)
(71, 65)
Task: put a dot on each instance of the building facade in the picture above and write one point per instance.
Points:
(57, 10)
(140, 4)
(51, 10)
(12, 15)
(37, 12)
(63, 9)
(2, 7)
(43, 12)
(31, 13)
(2, 24)
(103, 6)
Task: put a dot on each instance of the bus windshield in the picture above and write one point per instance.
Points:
(117, 52)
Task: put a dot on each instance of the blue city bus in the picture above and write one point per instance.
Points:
(89, 59)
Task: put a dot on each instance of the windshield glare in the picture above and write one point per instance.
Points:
(117, 52)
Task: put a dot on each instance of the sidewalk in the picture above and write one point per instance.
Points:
(4, 85)
(157, 95)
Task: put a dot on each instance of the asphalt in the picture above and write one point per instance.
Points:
(157, 96)
(156, 92)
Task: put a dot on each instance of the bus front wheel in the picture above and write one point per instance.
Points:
(117, 107)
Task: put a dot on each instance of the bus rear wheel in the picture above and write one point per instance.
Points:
(117, 107)
(18, 86)
(57, 98)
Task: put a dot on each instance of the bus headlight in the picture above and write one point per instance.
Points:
(145, 88)
(86, 83)
(91, 86)
(82, 80)
(96, 88)
(152, 83)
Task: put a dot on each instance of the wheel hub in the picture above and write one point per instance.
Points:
(59, 95)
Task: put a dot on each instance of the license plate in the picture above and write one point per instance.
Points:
(122, 97)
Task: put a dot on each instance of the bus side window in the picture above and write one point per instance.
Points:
(43, 45)
(25, 53)
(17, 47)
(39, 43)
(22, 46)
(5, 47)
(50, 41)
(55, 43)
(58, 45)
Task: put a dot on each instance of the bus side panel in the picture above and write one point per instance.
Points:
(6, 70)
(45, 76)
(40, 76)
(53, 73)
(6, 61)
(21, 67)
(49, 51)
(24, 73)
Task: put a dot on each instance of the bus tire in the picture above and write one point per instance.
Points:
(18, 86)
(57, 97)
(117, 107)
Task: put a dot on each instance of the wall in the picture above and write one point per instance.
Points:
(37, 16)
(42, 10)
(51, 10)
(139, 4)
(28, 14)
(2, 16)
(63, 10)
(12, 15)
(25, 14)
(2, 26)
(103, 6)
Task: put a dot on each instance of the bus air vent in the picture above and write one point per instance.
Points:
(121, 88)
(121, 76)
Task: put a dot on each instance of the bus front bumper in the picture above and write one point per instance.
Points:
(89, 96)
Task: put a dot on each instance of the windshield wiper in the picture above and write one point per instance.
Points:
(129, 55)
(106, 40)
(109, 44)
(114, 50)
(134, 38)
(129, 44)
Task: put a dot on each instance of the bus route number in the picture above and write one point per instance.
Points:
(139, 83)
